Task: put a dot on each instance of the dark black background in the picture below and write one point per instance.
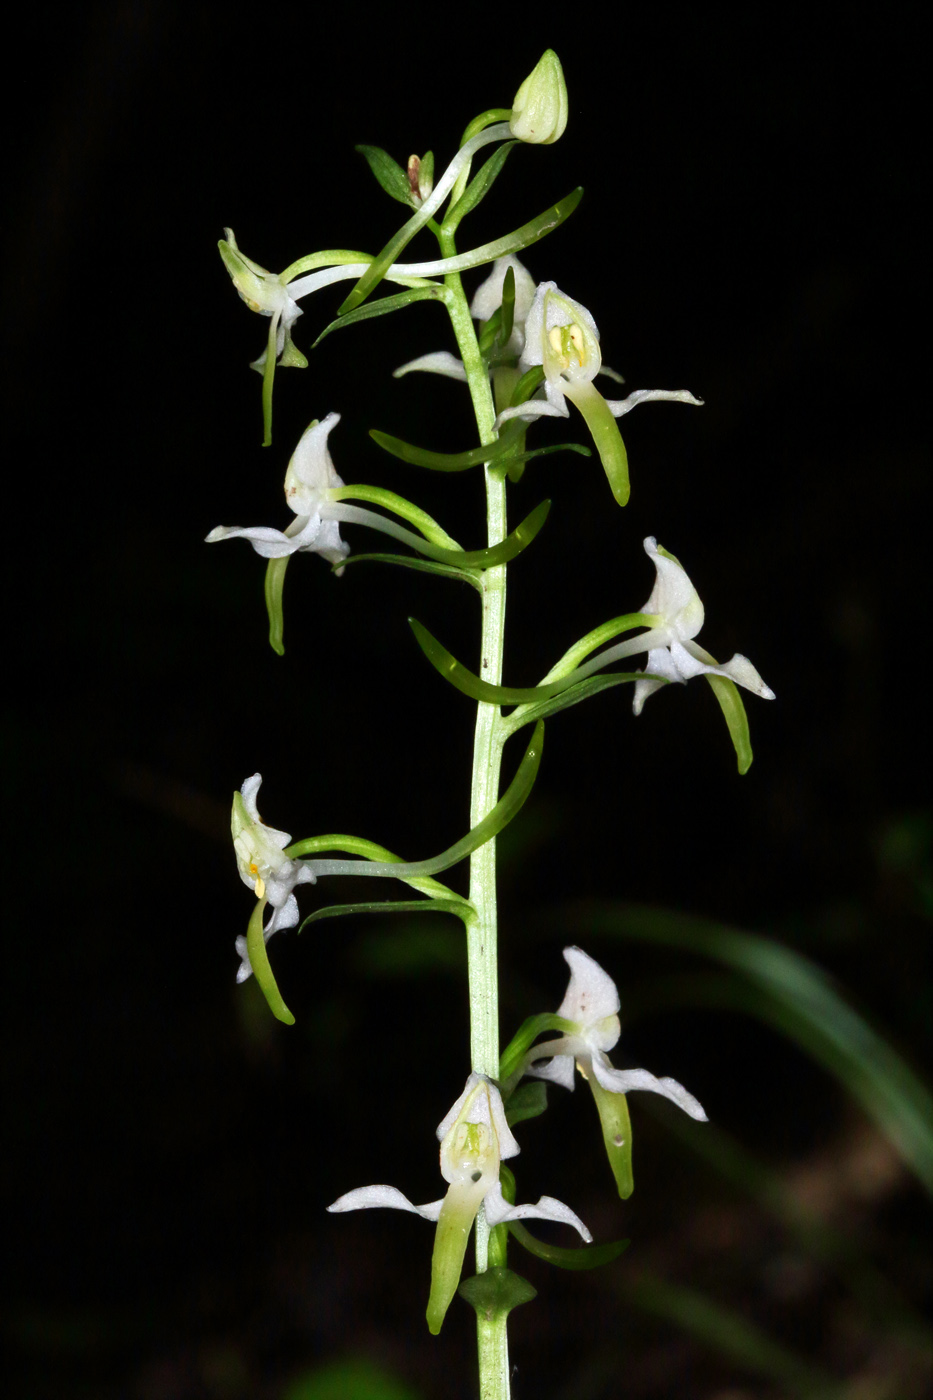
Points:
(750, 231)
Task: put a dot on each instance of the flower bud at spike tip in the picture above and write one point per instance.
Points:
(539, 112)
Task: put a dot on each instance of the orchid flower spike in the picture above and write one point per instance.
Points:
(309, 481)
(591, 1007)
(562, 337)
(263, 868)
(486, 301)
(474, 1138)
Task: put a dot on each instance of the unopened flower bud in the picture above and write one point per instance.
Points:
(539, 112)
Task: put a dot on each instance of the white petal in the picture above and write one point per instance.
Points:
(246, 968)
(559, 1070)
(498, 1211)
(673, 596)
(249, 793)
(591, 996)
(534, 408)
(622, 1081)
(485, 1108)
(508, 1147)
(438, 362)
(618, 407)
(695, 661)
(642, 690)
(488, 298)
(369, 1197)
(310, 469)
(270, 543)
(285, 915)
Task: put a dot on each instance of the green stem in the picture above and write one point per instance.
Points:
(491, 1335)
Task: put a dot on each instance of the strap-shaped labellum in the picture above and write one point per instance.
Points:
(730, 702)
(385, 305)
(458, 675)
(262, 971)
(275, 582)
(509, 804)
(588, 1256)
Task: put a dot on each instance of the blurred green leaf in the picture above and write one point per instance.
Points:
(350, 1379)
(728, 1332)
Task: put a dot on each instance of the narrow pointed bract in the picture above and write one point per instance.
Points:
(475, 1137)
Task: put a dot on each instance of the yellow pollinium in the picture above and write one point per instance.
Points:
(569, 344)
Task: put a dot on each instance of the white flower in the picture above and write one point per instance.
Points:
(310, 478)
(263, 868)
(591, 1005)
(266, 293)
(672, 652)
(562, 337)
(475, 1137)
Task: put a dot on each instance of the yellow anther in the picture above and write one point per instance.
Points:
(568, 343)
